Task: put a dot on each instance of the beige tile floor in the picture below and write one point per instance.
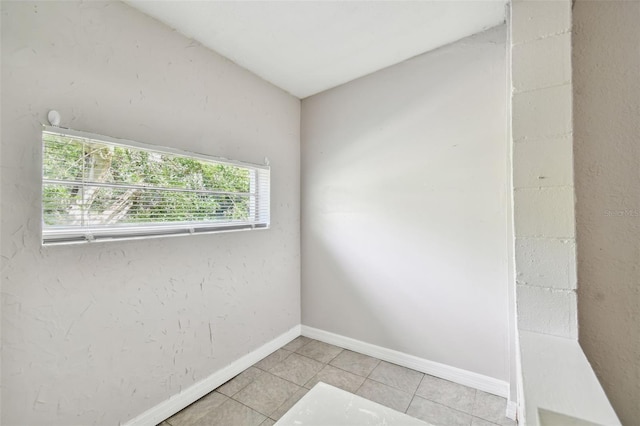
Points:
(261, 394)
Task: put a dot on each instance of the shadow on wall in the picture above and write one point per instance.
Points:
(404, 211)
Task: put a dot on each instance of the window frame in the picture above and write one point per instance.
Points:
(74, 234)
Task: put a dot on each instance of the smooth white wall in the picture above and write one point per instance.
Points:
(404, 204)
(97, 334)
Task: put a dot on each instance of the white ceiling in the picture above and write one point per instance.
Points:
(306, 47)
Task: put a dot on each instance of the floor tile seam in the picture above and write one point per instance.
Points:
(283, 359)
(451, 408)
(455, 390)
(289, 381)
(374, 368)
(252, 409)
(228, 399)
(310, 340)
(350, 372)
(443, 404)
(410, 402)
(329, 362)
(300, 386)
(424, 375)
(239, 390)
(320, 381)
(305, 357)
(269, 370)
(413, 396)
(475, 399)
(327, 365)
(298, 353)
(445, 380)
(360, 387)
(189, 407)
(287, 400)
(293, 350)
(398, 365)
(213, 391)
(341, 350)
(392, 387)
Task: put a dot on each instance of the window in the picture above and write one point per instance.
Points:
(96, 188)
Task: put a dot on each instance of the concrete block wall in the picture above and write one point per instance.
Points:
(544, 212)
(554, 375)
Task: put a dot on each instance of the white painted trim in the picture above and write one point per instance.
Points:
(177, 402)
(559, 384)
(512, 409)
(454, 374)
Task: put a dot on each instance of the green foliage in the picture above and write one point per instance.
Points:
(132, 186)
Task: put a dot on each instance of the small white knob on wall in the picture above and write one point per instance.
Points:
(54, 118)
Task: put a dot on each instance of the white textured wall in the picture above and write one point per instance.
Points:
(97, 334)
(544, 222)
(404, 235)
(606, 73)
(542, 183)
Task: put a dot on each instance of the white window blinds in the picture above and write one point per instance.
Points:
(97, 188)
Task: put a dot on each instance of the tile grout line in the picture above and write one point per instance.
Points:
(278, 377)
(410, 402)
(239, 390)
(266, 372)
(286, 380)
(451, 408)
(328, 363)
(415, 393)
(229, 398)
(301, 386)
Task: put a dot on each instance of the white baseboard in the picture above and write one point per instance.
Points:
(512, 409)
(190, 395)
(457, 375)
(169, 407)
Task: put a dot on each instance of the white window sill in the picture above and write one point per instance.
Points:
(143, 233)
(559, 385)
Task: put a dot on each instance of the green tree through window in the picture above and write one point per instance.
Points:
(92, 184)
